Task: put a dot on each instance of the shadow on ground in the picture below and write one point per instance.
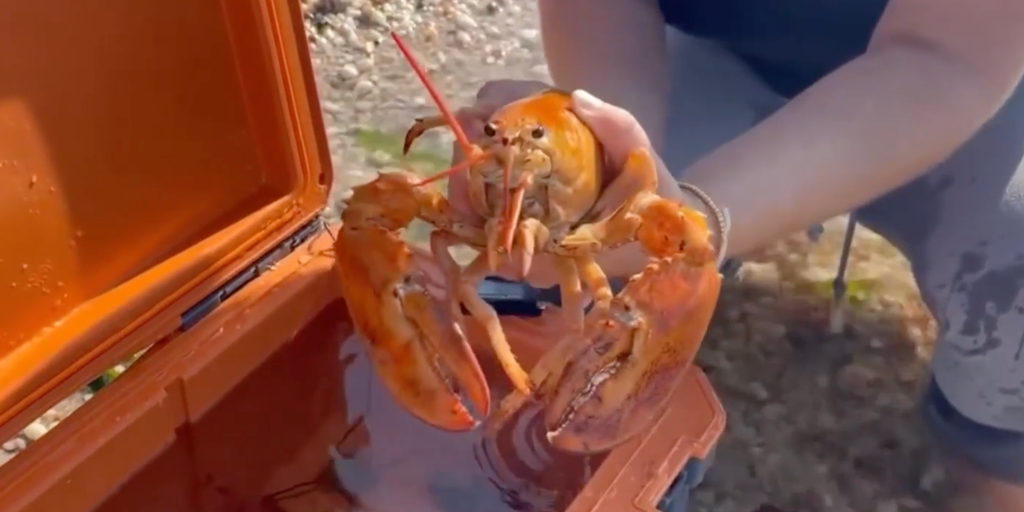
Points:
(820, 421)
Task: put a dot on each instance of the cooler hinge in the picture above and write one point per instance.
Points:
(193, 315)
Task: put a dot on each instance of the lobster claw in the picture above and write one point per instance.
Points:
(419, 353)
(429, 373)
(619, 382)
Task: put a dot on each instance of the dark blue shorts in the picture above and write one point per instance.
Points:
(994, 451)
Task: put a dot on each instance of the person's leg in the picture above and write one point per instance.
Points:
(962, 228)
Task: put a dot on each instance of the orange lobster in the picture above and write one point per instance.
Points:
(535, 184)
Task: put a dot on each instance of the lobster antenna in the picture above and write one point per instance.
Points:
(460, 135)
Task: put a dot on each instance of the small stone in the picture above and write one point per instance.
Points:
(773, 331)
(764, 274)
(379, 159)
(857, 379)
(348, 72)
(933, 476)
(375, 17)
(14, 445)
(363, 65)
(774, 411)
(464, 39)
(34, 431)
(364, 87)
(465, 22)
(758, 391)
(887, 506)
(529, 34)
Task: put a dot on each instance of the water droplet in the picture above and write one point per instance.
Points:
(32, 181)
(24, 267)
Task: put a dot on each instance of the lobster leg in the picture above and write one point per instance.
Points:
(419, 127)
(597, 281)
(485, 314)
(440, 245)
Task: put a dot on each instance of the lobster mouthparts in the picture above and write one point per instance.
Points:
(635, 353)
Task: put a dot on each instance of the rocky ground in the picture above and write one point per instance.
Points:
(817, 421)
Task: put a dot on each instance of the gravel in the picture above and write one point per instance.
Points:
(817, 421)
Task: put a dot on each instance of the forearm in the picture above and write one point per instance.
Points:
(874, 124)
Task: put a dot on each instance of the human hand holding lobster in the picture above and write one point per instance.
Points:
(615, 128)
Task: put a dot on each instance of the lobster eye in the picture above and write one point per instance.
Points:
(537, 132)
(489, 130)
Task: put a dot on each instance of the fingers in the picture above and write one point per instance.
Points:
(617, 129)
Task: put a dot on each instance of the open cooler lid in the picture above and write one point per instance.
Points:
(149, 153)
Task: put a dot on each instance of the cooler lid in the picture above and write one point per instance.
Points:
(149, 152)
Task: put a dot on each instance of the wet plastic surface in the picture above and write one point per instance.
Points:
(268, 400)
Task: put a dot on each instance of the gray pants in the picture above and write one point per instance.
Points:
(961, 226)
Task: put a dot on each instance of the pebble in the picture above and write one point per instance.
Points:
(857, 379)
(758, 391)
(464, 39)
(763, 274)
(380, 159)
(363, 87)
(465, 22)
(35, 430)
(14, 445)
(529, 38)
(364, 65)
(348, 72)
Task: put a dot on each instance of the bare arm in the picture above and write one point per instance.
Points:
(934, 72)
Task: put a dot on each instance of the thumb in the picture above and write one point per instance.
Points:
(617, 129)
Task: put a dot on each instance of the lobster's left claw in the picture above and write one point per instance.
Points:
(444, 364)
(419, 353)
(636, 353)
